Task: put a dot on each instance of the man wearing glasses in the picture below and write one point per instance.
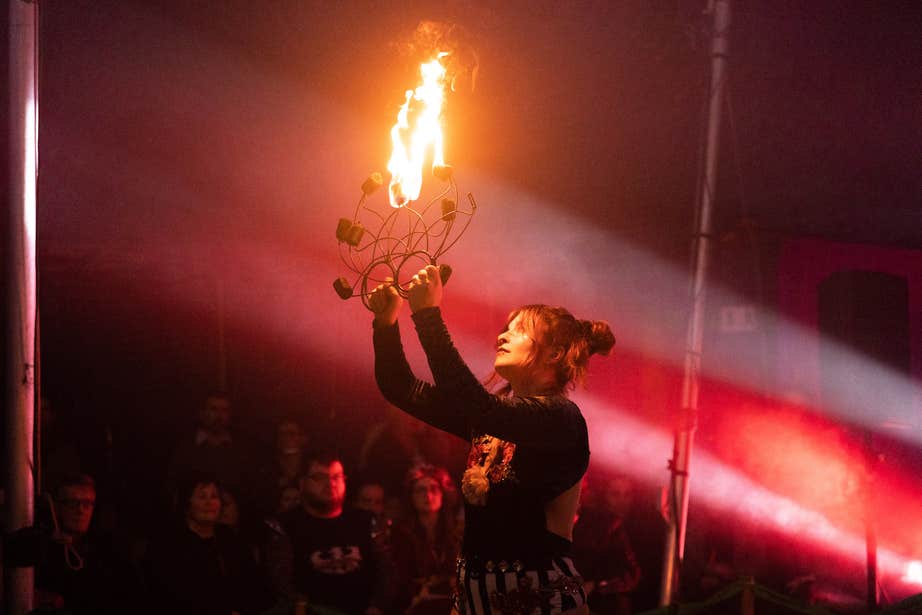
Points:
(74, 505)
(335, 562)
(78, 570)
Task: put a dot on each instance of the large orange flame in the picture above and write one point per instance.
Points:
(418, 127)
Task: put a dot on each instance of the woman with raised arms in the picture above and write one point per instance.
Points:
(529, 443)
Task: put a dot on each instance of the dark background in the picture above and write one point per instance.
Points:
(192, 146)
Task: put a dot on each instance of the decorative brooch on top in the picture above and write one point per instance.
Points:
(489, 462)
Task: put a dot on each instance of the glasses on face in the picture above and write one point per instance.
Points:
(78, 503)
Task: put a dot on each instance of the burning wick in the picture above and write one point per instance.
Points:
(418, 129)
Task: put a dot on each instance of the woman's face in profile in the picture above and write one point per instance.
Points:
(514, 349)
(205, 504)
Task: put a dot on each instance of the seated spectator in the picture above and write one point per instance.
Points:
(289, 499)
(199, 566)
(284, 469)
(211, 449)
(245, 525)
(400, 442)
(426, 544)
(601, 544)
(369, 496)
(79, 570)
(62, 454)
(275, 551)
(290, 443)
(230, 511)
(334, 563)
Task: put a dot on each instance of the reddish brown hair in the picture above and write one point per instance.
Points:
(576, 340)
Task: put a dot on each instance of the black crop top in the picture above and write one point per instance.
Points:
(531, 449)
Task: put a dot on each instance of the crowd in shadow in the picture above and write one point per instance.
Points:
(299, 531)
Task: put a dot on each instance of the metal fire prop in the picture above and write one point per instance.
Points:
(397, 241)
(401, 240)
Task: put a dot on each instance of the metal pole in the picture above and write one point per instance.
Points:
(700, 248)
(21, 275)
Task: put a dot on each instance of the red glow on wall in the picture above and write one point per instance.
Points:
(775, 473)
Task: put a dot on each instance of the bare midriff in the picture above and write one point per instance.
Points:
(560, 513)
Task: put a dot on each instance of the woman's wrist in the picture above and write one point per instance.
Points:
(383, 323)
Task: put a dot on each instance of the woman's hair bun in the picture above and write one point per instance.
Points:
(599, 336)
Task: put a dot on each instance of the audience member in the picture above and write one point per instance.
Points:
(290, 443)
(275, 551)
(76, 440)
(79, 570)
(289, 499)
(61, 453)
(211, 449)
(230, 510)
(370, 497)
(426, 544)
(244, 524)
(284, 469)
(199, 566)
(335, 564)
(400, 442)
(601, 542)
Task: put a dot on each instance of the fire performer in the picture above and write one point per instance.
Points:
(529, 442)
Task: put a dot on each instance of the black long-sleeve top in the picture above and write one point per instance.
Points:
(550, 451)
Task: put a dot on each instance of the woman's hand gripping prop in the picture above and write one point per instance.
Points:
(425, 289)
(385, 302)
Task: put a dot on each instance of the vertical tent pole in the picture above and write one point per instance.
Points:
(700, 253)
(21, 283)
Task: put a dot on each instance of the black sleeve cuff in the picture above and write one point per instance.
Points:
(427, 317)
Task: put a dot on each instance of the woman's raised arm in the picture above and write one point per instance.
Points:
(394, 377)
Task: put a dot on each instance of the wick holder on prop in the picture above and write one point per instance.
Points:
(396, 242)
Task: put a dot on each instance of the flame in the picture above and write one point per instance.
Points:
(417, 129)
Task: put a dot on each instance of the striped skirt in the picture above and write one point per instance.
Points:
(503, 588)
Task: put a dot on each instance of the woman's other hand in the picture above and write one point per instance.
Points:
(385, 303)
(425, 289)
